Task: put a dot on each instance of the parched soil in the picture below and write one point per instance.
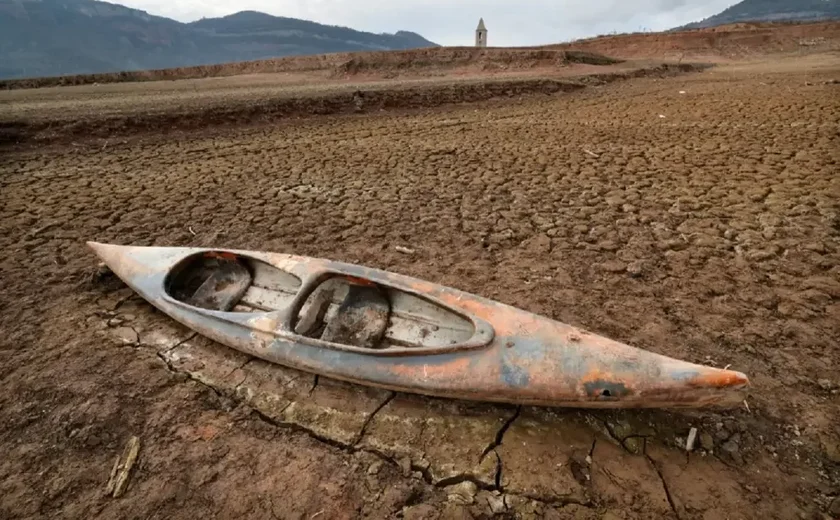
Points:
(114, 111)
(696, 216)
(435, 61)
(737, 41)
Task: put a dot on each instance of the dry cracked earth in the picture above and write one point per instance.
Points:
(696, 216)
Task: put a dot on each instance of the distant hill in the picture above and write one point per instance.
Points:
(58, 37)
(772, 11)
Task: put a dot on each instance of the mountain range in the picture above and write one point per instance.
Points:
(772, 11)
(57, 37)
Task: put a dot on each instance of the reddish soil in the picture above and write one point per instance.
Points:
(725, 42)
(696, 216)
(436, 61)
(61, 113)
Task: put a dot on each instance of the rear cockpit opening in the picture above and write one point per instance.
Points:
(360, 313)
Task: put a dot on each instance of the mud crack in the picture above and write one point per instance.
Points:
(498, 477)
(370, 417)
(173, 347)
(240, 367)
(162, 355)
(617, 438)
(423, 471)
(664, 484)
(500, 434)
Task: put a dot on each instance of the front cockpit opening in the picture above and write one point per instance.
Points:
(227, 282)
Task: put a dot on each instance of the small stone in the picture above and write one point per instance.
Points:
(732, 448)
(817, 247)
(126, 335)
(825, 384)
(372, 482)
(675, 244)
(612, 266)
(115, 322)
(515, 501)
(497, 504)
(405, 466)
(834, 508)
(730, 234)
(419, 512)
(463, 493)
(374, 468)
(129, 317)
(636, 269)
(539, 244)
(692, 437)
(628, 208)
(760, 255)
(831, 448)
(706, 441)
(581, 229)
(635, 445)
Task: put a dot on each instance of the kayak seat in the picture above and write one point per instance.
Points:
(211, 282)
(346, 313)
(360, 320)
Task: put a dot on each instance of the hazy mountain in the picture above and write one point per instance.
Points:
(773, 11)
(56, 37)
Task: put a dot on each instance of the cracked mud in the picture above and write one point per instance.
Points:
(712, 235)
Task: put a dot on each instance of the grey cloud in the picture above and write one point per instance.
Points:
(522, 22)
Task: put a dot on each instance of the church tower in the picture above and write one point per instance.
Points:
(481, 34)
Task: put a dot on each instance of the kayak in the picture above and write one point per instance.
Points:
(386, 330)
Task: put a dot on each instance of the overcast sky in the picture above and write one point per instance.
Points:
(453, 22)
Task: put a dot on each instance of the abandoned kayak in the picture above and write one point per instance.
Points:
(391, 331)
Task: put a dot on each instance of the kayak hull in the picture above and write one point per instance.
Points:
(512, 356)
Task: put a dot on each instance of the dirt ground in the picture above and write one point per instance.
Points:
(723, 43)
(696, 216)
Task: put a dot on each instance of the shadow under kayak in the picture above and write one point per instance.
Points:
(391, 331)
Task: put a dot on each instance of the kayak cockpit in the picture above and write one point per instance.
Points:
(340, 309)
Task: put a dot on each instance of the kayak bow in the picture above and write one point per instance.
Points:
(391, 331)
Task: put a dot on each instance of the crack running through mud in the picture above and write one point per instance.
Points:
(240, 367)
(497, 441)
(370, 417)
(167, 350)
(664, 484)
(424, 471)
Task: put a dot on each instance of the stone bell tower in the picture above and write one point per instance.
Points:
(481, 34)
